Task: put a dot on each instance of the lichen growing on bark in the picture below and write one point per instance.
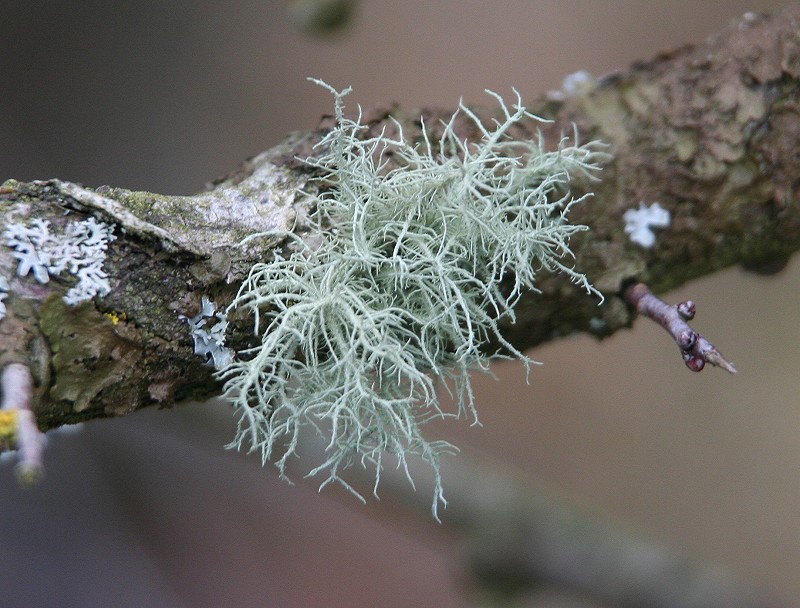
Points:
(411, 269)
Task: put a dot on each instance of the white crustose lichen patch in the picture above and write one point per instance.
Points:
(80, 250)
(639, 223)
(418, 251)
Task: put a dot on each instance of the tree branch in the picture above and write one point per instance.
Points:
(695, 349)
(710, 132)
(18, 428)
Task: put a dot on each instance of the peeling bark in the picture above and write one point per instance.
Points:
(711, 132)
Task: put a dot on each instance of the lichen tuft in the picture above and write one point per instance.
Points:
(412, 266)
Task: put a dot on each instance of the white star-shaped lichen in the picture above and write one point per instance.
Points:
(638, 223)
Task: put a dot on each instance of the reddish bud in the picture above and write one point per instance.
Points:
(696, 364)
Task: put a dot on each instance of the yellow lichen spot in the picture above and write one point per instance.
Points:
(9, 421)
(116, 317)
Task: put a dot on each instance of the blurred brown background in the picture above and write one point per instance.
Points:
(151, 511)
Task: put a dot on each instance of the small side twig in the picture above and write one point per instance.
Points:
(695, 349)
(18, 422)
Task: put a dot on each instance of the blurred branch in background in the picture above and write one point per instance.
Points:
(322, 17)
(521, 537)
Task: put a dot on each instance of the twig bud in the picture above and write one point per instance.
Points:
(687, 339)
(687, 310)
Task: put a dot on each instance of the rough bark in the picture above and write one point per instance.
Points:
(711, 132)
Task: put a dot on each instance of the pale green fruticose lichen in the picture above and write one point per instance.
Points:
(412, 267)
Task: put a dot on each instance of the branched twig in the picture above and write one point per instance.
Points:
(18, 428)
(695, 349)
